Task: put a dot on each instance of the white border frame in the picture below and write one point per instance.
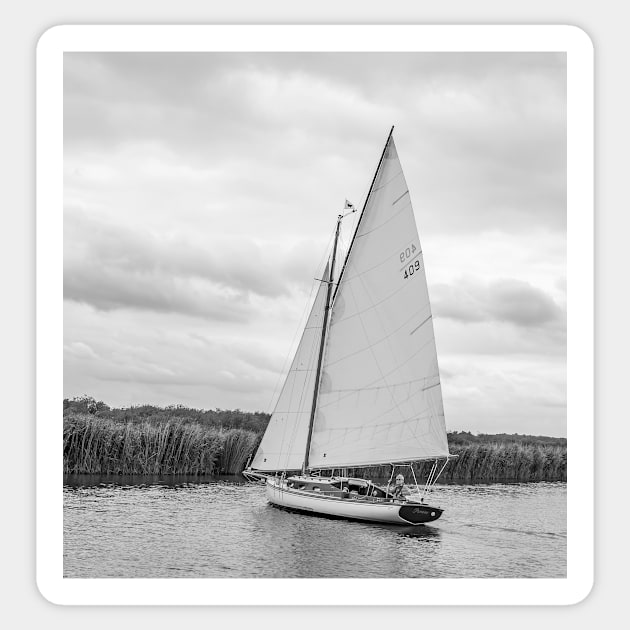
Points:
(49, 298)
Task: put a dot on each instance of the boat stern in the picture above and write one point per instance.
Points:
(416, 513)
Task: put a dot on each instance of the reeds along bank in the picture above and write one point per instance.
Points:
(104, 446)
(494, 462)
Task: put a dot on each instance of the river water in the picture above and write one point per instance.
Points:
(122, 527)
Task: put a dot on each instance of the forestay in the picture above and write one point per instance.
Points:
(380, 397)
(282, 446)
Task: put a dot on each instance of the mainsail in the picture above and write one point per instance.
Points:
(380, 398)
(282, 446)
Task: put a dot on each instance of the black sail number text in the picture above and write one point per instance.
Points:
(411, 269)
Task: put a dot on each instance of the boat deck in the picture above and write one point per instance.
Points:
(340, 487)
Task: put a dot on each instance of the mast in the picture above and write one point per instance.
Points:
(321, 345)
(367, 199)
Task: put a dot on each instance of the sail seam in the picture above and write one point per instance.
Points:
(383, 427)
(420, 415)
(377, 387)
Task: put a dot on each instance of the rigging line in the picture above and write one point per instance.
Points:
(430, 476)
(441, 471)
(414, 478)
(303, 318)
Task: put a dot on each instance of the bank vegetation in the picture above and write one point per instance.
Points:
(175, 440)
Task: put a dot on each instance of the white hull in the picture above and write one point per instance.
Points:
(362, 509)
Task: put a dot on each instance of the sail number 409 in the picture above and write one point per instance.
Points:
(409, 271)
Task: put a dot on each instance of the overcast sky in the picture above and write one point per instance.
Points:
(201, 192)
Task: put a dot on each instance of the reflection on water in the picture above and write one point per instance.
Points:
(223, 527)
(426, 531)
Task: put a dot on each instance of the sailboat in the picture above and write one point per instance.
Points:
(363, 388)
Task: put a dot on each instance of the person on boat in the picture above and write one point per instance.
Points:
(399, 491)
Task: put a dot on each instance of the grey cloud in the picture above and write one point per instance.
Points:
(509, 300)
(171, 368)
(522, 304)
(251, 354)
(114, 267)
(109, 288)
